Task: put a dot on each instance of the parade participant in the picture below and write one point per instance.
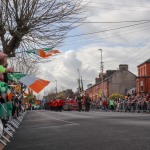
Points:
(60, 104)
(51, 105)
(79, 100)
(87, 102)
(55, 105)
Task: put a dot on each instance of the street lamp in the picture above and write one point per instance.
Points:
(101, 68)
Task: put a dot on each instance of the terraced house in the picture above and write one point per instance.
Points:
(143, 79)
(115, 81)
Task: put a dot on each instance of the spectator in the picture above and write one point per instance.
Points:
(9, 109)
(111, 104)
(104, 104)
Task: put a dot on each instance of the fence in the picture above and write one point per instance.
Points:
(138, 107)
(8, 127)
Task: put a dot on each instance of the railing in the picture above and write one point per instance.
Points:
(9, 127)
(138, 107)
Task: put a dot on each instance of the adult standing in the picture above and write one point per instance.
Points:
(15, 110)
(60, 105)
(79, 100)
(17, 106)
(87, 102)
(2, 101)
(111, 104)
(104, 104)
(9, 109)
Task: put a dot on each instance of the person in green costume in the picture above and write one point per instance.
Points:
(3, 69)
(3, 91)
(3, 63)
(9, 109)
(1, 110)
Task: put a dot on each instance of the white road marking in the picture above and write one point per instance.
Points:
(57, 119)
(46, 127)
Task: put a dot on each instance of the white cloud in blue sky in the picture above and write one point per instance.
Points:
(123, 46)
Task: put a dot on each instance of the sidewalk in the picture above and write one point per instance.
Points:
(1, 145)
(10, 128)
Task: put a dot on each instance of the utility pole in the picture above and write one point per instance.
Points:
(101, 68)
(79, 80)
(56, 87)
(81, 84)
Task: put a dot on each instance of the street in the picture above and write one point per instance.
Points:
(72, 130)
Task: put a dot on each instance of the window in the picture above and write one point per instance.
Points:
(139, 72)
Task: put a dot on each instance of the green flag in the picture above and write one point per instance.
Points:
(17, 76)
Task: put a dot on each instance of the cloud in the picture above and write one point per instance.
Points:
(123, 11)
(123, 46)
(65, 67)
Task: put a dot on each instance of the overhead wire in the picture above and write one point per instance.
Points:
(125, 21)
(136, 57)
(111, 29)
(103, 30)
(138, 11)
(104, 36)
(119, 4)
(145, 42)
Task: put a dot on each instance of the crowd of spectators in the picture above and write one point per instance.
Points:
(9, 106)
(130, 103)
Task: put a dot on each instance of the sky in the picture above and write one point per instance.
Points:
(121, 28)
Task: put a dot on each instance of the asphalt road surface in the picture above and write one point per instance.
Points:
(47, 130)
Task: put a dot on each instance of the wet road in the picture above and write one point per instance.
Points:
(46, 130)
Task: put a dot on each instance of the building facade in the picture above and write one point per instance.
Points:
(143, 79)
(115, 81)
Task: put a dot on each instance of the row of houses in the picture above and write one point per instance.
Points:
(121, 81)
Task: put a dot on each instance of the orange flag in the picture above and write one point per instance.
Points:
(52, 52)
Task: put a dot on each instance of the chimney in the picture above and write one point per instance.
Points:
(110, 72)
(123, 67)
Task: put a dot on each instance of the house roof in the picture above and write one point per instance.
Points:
(147, 61)
(108, 78)
(104, 80)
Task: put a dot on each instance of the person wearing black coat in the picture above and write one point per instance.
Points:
(79, 100)
(87, 102)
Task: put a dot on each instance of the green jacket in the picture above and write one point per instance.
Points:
(9, 108)
(111, 102)
(2, 69)
(1, 111)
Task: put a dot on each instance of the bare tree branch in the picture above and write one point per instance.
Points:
(20, 64)
(37, 23)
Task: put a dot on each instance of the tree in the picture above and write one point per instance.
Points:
(68, 93)
(27, 24)
(62, 95)
(21, 65)
(115, 96)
